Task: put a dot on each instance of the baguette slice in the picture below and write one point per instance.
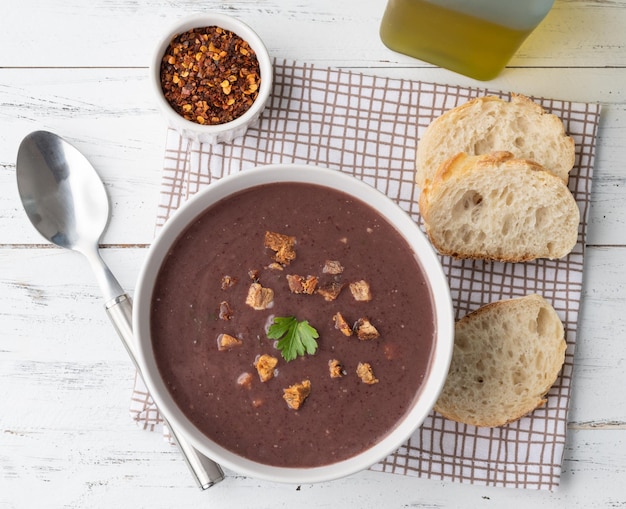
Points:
(495, 207)
(506, 357)
(489, 124)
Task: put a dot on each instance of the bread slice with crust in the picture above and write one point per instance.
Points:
(490, 124)
(506, 357)
(497, 207)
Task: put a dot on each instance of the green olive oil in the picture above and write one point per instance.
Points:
(464, 43)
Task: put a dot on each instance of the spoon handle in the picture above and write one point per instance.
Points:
(205, 471)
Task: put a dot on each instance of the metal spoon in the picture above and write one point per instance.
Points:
(67, 203)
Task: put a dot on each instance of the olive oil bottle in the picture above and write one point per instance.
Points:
(476, 38)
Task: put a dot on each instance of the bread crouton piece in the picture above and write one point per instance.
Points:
(282, 245)
(332, 267)
(228, 281)
(265, 365)
(259, 298)
(365, 330)
(361, 291)
(226, 342)
(365, 372)
(342, 325)
(335, 368)
(226, 312)
(295, 394)
(245, 380)
(301, 284)
(330, 291)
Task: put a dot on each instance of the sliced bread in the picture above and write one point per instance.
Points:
(490, 124)
(506, 357)
(497, 207)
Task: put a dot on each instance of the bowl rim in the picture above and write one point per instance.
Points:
(426, 257)
(236, 26)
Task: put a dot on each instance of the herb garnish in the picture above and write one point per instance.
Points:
(296, 337)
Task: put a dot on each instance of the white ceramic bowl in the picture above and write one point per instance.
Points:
(222, 132)
(444, 320)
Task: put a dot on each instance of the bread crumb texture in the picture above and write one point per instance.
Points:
(497, 207)
(507, 355)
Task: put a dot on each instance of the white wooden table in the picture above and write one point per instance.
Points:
(80, 69)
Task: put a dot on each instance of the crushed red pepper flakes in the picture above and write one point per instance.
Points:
(210, 75)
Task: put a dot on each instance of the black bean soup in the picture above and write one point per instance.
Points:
(307, 252)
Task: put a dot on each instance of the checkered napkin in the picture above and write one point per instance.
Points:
(368, 127)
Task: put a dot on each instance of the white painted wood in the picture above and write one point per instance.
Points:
(108, 33)
(79, 68)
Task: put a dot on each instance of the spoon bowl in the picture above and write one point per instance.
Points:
(69, 208)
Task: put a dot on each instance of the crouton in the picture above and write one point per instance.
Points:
(330, 291)
(295, 394)
(335, 368)
(342, 325)
(282, 245)
(228, 281)
(245, 380)
(332, 267)
(226, 312)
(365, 330)
(366, 374)
(301, 284)
(265, 365)
(259, 298)
(361, 291)
(226, 342)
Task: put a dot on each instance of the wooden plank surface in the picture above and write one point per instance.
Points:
(80, 69)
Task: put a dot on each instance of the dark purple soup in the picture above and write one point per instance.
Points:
(202, 298)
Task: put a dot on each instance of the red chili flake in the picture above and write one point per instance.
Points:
(210, 75)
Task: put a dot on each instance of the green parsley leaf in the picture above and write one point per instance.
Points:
(295, 337)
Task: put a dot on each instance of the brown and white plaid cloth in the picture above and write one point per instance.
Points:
(369, 127)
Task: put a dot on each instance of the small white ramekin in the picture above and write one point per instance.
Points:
(220, 132)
